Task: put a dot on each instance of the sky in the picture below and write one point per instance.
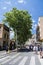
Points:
(34, 7)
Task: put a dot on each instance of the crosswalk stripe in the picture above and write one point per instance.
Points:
(5, 61)
(15, 55)
(9, 58)
(2, 53)
(15, 60)
(23, 61)
(41, 60)
(32, 61)
(4, 58)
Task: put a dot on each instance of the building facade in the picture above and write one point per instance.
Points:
(37, 33)
(4, 36)
(39, 29)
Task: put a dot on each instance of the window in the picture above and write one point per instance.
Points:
(4, 35)
(7, 36)
(0, 30)
(0, 27)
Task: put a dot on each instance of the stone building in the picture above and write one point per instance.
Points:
(39, 29)
(4, 35)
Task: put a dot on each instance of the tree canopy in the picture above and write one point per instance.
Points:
(21, 21)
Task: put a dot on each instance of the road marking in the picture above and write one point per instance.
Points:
(15, 55)
(2, 53)
(40, 59)
(32, 61)
(5, 61)
(15, 60)
(9, 59)
(23, 61)
(4, 58)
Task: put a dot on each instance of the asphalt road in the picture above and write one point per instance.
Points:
(20, 58)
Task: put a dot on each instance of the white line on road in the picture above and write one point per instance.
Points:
(40, 59)
(15, 60)
(15, 55)
(23, 61)
(3, 58)
(32, 61)
(9, 59)
(2, 53)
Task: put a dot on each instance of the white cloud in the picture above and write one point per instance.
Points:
(22, 1)
(34, 26)
(33, 21)
(9, 2)
(4, 8)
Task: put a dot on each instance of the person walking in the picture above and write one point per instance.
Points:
(7, 48)
(40, 51)
(36, 49)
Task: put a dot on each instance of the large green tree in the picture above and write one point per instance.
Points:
(19, 20)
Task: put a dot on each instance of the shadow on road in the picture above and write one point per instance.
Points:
(23, 50)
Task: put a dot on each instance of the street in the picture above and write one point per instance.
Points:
(20, 58)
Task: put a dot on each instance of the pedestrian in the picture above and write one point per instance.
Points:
(40, 51)
(0, 48)
(36, 49)
(6, 48)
